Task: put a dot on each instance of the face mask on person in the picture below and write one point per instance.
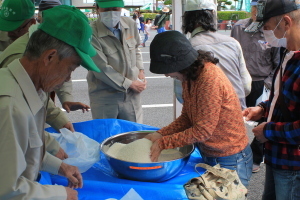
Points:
(110, 18)
(273, 40)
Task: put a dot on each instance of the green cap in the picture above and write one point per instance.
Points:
(13, 13)
(110, 3)
(71, 26)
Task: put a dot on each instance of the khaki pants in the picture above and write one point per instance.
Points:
(128, 108)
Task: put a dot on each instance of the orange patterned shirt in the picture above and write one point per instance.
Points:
(211, 116)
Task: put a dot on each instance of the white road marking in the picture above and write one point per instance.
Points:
(149, 77)
(156, 77)
(157, 105)
(143, 106)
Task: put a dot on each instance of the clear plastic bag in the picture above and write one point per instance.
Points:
(83, 151)
(265, 95)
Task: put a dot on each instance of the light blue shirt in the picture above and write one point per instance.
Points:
(116, 32)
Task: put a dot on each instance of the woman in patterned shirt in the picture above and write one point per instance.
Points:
(211, 117)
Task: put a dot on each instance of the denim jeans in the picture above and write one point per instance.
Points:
(281, 184)
(145, 39)
(241, 162)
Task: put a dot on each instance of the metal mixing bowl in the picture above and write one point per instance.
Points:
(150, 172)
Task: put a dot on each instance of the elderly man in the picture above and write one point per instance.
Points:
(115, 92)
(55, 117)
(281, 133)
(64, 93)
(50, 57)
(261, 61)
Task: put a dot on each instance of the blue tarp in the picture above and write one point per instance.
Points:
(100, 182)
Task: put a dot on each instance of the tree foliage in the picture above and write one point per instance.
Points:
(233, 15)
(223, 3)
(168, 2)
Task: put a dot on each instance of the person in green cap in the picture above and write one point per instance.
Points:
(16, 17)
(55, 116)
(53, 52)
(115, 92)
(15, 21)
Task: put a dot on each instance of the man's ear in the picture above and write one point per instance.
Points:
(288, 22)
(49, 56)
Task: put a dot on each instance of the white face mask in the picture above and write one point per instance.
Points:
(273, 40)
(110, 18)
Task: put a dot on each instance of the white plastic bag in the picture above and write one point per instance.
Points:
(83, 151)
(265, 95)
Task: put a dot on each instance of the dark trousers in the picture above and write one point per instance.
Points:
(257, 150)
(256, 91)
(257, 147)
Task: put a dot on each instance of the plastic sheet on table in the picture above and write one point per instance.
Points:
(101, 182)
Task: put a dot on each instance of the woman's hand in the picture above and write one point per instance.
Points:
(155, 151)
(153, 136)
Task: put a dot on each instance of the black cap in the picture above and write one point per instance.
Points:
(47, 4)
(170, 52)
(271, 8)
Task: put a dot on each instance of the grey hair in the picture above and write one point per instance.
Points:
(41, 41)
(294, 15)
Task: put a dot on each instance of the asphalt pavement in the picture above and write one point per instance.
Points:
(157, 101)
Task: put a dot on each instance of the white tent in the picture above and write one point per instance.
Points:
(149, 6)
(136, 2)
(125, 12)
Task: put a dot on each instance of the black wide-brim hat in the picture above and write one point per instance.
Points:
(170, 52)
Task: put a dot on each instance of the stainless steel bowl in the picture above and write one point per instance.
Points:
(150, 172)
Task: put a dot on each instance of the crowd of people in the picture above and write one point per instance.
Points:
(162, 23)
(218, 81)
